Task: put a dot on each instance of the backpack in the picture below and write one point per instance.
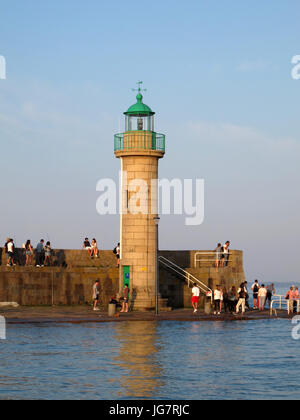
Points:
(115, 251)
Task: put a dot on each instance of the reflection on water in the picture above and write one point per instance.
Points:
(141, 370)
(149, 360)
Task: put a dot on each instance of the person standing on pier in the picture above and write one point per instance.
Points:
(96, 294)
(290, 298)
(296, 299)
(242, 299)
(117, 252)
(270, 293)
(255, 290)
(218, 299)
(225, 256)
(195, 297)
(219, 253)
(40, 253)
(262, 297)
(28, 253)
(10, 251)
(48, 254)
(126, 298)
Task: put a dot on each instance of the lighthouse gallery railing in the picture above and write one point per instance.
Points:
(139, 140)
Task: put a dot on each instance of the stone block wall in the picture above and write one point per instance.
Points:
(70, 281)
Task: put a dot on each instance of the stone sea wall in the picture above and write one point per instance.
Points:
(70, 280)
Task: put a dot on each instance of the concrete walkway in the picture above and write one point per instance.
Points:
(85, 314)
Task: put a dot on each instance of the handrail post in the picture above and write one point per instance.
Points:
(280, 303)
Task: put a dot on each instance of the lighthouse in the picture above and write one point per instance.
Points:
(139, 148)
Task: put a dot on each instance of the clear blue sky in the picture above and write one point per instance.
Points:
(218, 74)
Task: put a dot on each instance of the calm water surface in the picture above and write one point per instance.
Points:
(149, 360)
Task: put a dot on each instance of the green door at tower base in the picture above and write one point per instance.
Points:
(126, 275)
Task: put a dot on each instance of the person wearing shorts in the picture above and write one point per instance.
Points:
(218, 299)
(255, 290)
(48, 254)
(28, 253)
(96, 294)
(195, 297)
(126, 298)
(87, 246)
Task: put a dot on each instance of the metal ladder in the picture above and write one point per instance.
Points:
(187, 276)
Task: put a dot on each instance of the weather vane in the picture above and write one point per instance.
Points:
(139, 88)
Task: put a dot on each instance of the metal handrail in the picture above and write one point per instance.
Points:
(188, 276)
(282, 301)
(139, 141)
(209, 254)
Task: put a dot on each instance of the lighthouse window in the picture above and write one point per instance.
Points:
(140, 124)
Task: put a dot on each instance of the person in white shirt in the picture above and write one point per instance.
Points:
(96, 294)
(225, 256)
(262, 296)
(218, 298)
(10, 251)
(195, 297)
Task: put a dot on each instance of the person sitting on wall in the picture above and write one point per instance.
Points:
(94, 249)
(87, 246)
(114, 301)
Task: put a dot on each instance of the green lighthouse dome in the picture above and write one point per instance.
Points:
(139, 109)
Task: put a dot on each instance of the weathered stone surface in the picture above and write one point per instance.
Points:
(70, 281)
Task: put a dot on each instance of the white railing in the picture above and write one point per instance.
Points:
(188, 276)
(282, 303)
(207, 257)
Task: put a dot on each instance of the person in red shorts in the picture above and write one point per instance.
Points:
(195, 297)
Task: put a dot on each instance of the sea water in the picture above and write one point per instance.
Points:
(151, 360)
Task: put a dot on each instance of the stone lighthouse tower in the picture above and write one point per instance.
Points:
(139, 148)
